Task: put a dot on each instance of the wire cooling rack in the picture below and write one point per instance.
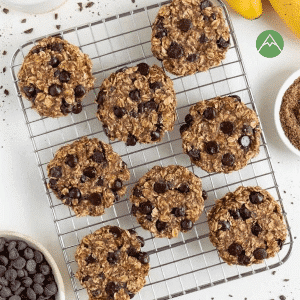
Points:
(189, 262)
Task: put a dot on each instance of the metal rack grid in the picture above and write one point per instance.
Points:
(189, 262)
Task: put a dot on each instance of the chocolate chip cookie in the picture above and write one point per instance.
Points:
(111, 264)
(137, 104)
(221, 134)
(55, 76)
(167, 200)
(88, 176)
(247, 226)
(190, 36)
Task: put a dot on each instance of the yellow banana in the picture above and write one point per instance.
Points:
(289, 11)
(249, 9)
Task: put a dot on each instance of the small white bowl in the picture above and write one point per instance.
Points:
(10, 235)
(278, 102)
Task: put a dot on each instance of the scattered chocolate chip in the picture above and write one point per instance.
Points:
(77, 108)
(160, 225)
(54, 90)
(188, 119)
(235, 214)
(194, 154)
(79, 91)
(247, 130)
(225, 225)
(204, 4)
(256, 229)
(175, 50)
(115, 231)
(186, 224)
(4, 70)
(117, 185)
(30, 91)
(228, 159)
(209, 113)
(28, 31)
(90, 260)
(131, 251)
(155, 135)
(212, 147)
(184, 188)
(80, 6)
(204, 195)
(260, 253)
(203, 39)
(74, 193)
(227, 127)
(146, 208)
(282, 297)
(55, 172)
(135, 95)
(71, 160)
(113, 257)
(185, 25)
(6, 92)
(131, 140)
(4, 52)
(143, 69)
(256, 198)
(192, 57)
(155, 86)
(160, 187)
(245, 212)
(143, 257)
(243, 259)
(178, 211)
(64, 76)
(95, 199)
(235, 249)
(244, 141)
(223, 43)
(90, 4)
(119, 111)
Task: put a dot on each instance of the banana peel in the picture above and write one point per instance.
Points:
(249, 9)
(289, 11)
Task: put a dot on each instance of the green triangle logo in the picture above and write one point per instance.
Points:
(269, 43)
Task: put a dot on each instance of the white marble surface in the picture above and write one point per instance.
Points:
(23, 206)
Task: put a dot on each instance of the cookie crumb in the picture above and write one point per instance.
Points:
(23, 21)
(4, 69)
(274, 272)
(5, 10)
(230, 296)
(286, 280)
(133, 1)
(6, 92)
(58, 26)
(55, 16)
(28, 30)
(90, 4)
(80, 6)
(4, 52)
(282, 297)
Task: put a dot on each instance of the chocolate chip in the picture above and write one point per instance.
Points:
(130, 294)
(225, 225)
(235, 249)
(101, 97)
(209, 113)
(194, 154)
(150, 105)
(192, 57)
(160, 187)
(98, 157)
(131, 231)
(100, 182)
(160, 23)
(155, 85)
(117, 185)
(175, 50)
(228, 159)
(260, 253)
(86, 278)
(213, 16)
(65, 107)
(133, 114)
(30, 91)
(113, 257)
(28, 30)
(256, 229)
(256, 197)
(155, 135)
(212, 147)
(178, 211)
(38, 50)
(79, 91)
(146, 208)
(95, 199)
(185, 25)
(143, 257)
(245, 212)
(54, 90)
(131, 140)
(115, 231)
(74, 193)
(244, 141)
(135, 95)
(223, 43)
(55, 172)
(71, 160)
(57, 47)
(184, 128)
(143, 69)
(64, 76)
(101, 276)
(54, 62)
(77, 108)
(204, 195)
(90, 172)
(141, 240)
(119, 112)
(186, 224)
(106, 130)
(161, 33)
(188, 119)
(90, 260)
(131, 251)
(235, 214)
(204, 4)
(227, 127)
(134, 209)
(243, 259)
(112, 288)
(280, 243)
(160, 225)
(184, 188)
(247, 130)
(236, 97)
(203, 39)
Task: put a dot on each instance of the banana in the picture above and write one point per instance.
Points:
(249, 9)
(289, 11)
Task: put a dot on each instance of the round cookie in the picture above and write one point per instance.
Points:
(88, 176)
(137, 104)
(221, 135)
(190, 36)
(246, 226)
(167, 200)
(55, 76)
(111, 264)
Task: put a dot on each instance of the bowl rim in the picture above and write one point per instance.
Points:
(287, 83)
(33, 243)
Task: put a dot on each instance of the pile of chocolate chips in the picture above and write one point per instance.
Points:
(24, 273)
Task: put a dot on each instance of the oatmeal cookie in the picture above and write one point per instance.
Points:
(221, 134)
(167, 200)
(88, 176)
(137, 104)
(111, 264)
(247, 226)
(189, 36)
(55, 76)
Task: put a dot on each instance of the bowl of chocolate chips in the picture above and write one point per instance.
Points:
(27, 270)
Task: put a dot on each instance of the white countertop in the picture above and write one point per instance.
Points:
(23, 205)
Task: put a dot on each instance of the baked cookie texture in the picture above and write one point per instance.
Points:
(247, 226)
(137, 104)
(167, 200)
(221, 135)
(88, 176)
(189, 36)
(55, 76)
(111, 264)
